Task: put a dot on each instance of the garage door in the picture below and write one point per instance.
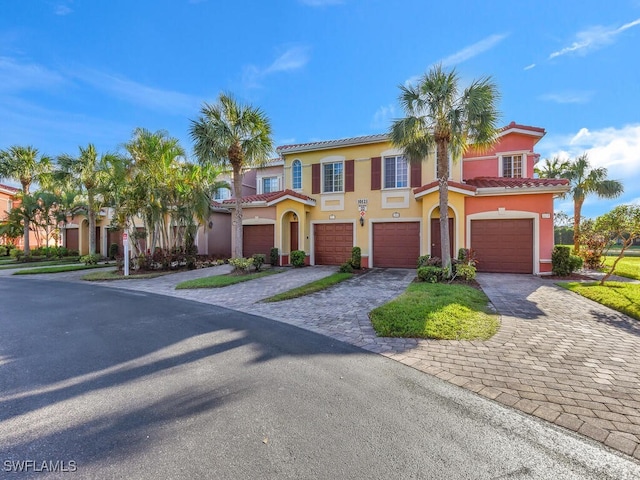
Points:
(332, 243)
(504, 246)
(396, 244)
(71, 239)
(257, 239)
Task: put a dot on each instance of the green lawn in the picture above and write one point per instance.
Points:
(60, 269)
(219, 281)
(628, 267)
(114, 275)
(46, 263)
(310, 288)
(621, 296)
(437, 310)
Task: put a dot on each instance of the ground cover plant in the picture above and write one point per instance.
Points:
(219, 281)
(311, 287)
(437, 310)
(118, 275)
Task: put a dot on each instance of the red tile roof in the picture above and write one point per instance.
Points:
(451, 183)
(522, 127)
(9, 189)
(503, 182)
(268, 197)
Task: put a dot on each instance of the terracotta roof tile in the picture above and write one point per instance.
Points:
(504, 182)
(451, 183)
(8, 188)
(268, 197)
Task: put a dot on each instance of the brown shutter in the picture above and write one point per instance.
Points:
(416, 174)
(376, 176)
(349, 167)
(315, 178)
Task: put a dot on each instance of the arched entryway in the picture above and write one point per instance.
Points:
(290, 235)
(435, 249)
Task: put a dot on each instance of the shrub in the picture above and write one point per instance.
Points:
(297, 258)
(113, 250)
(423, 260)
(346, 267)
(430, 273)
(429, 261)
(466, 272)
(16, 253)
(258, 260)
(4, 251)
(274, 256)
(356, 258)
(467, 256)
(241, 264)
(90, 259)
(563, 263)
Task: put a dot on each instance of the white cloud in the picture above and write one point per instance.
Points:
(529, 67)
(473, 50)
(292, 59)
(567, 97)
(139, 94)
(16, 76)
(593, 38)
(383, 116)
(320, 3)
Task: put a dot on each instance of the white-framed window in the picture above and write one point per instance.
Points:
(222, 193)
(9, 205)
(396, 172)
(435, 165)
(270, 184)
(512, 166)
(296, 175)
(332, 177)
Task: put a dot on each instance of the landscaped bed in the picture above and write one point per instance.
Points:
(437, 310)
(621, 296)
(119, 275)
(310, 288)
(219, 281)
(60, 269)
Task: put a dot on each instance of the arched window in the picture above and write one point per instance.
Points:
(296, 174)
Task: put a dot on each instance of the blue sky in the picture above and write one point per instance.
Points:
(79, 71)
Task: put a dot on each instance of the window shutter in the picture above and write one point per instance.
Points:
(416, 174)
(349, 167)
(376, 176)
(315, 178)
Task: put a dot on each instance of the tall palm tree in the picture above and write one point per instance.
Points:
(86, 173)
(231, 134)
(440, 115)
(27, 166)
(585, 181)
(552, 168)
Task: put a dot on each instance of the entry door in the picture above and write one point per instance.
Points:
(436, 250)
(294, 236)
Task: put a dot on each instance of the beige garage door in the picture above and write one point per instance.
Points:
(332, 243)
(396, 244)
(503, 246)
(257, 239)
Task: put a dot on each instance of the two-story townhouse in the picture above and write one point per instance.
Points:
(8, 201)
(362, 192)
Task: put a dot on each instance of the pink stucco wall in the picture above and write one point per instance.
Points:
(488, 167)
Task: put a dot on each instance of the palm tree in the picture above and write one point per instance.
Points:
(439, 115)
(584, 181)
(552, 168)
(236, 135)
(86, 173)
(25, 165)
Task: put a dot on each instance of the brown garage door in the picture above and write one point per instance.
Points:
(332, 243)
(71, 239)
(257, 239)
(396, 244)
(504, 246)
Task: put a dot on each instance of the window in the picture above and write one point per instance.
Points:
(269, 184)
(512, 166)
(395, 172)
(333, 177)
(222, 193)
(296, 175)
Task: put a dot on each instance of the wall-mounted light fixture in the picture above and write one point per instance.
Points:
(362, 221)
(332, 217)
(395, 214)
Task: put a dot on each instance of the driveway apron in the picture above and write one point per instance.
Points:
(557, 356)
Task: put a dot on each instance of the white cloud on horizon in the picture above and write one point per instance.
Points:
(292, 59)
(567, 97)
(593, 38)
(473, 50)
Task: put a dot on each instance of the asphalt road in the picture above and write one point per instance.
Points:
(117, 384)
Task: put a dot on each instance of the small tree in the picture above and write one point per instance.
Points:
(621, 225)
(595, 242)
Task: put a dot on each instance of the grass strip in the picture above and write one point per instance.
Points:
(628, 267)
(60, 269)
(115, 275)
(219, 281)
(11, 266)
(623, 297)
(437, 310)
(310, 288)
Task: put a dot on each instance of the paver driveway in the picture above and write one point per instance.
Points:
(558, 356)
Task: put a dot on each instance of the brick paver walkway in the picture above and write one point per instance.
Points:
(557, 356)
